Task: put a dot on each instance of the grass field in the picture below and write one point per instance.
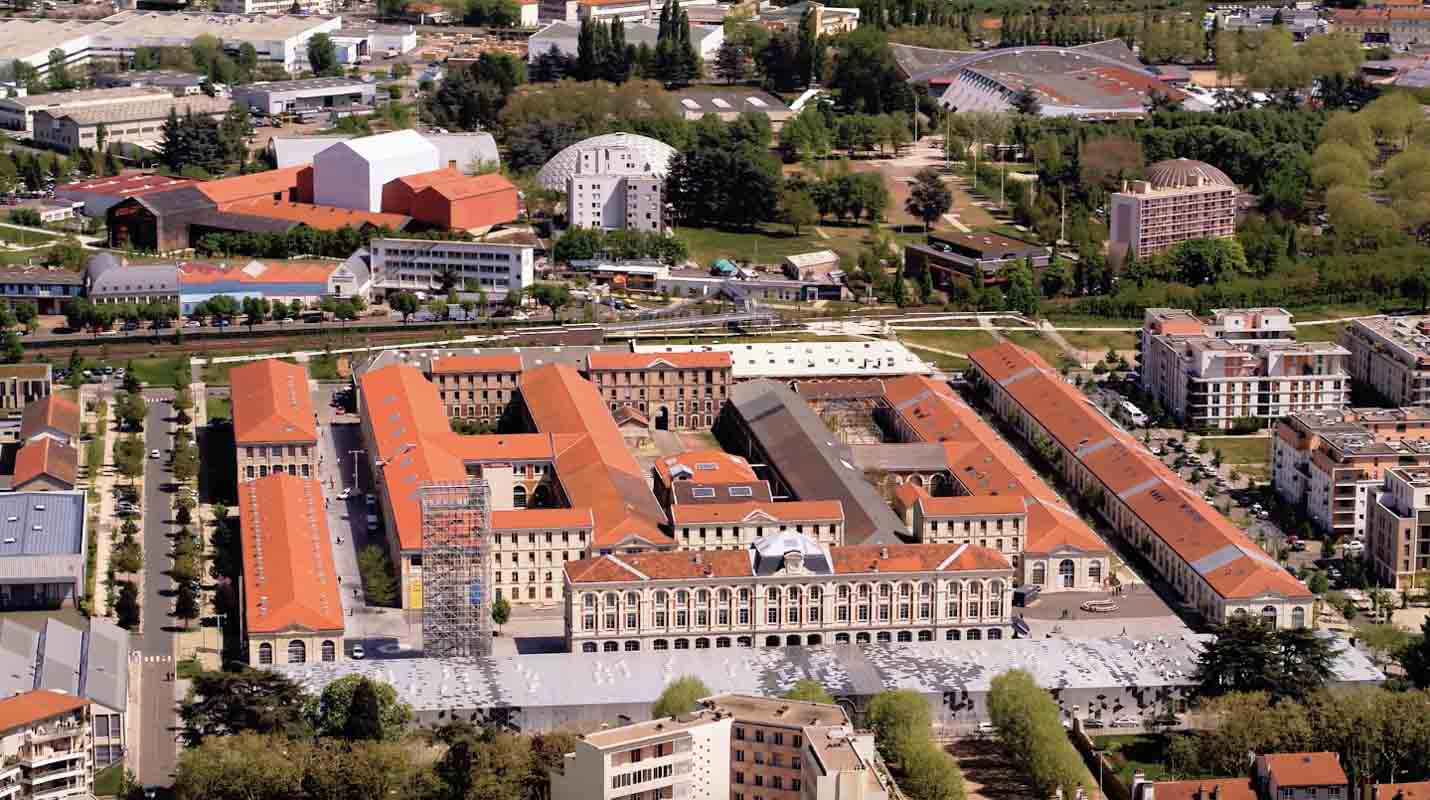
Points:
(1040, 344)
(160, 371)
(1099, 341)
(1240, 449)
(218, 408)
(108, 781)
(956, 341)
(1136, 751)
(323, 368)
(1330, 332)
(769, 243)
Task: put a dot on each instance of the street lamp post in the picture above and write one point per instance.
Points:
(354, 454)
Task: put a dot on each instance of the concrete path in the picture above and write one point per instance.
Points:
(159, 710)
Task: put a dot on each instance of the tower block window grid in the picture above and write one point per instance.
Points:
(456, 603)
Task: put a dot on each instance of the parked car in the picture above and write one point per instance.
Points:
(1126, 722)
(357, 652)
(153, 453)
(1093, 722)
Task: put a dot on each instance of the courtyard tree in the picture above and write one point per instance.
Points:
(681, 696)
(929, 198)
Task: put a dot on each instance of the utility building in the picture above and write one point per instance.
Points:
(352, 174)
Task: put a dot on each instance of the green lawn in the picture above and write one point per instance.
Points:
(323, 368)
(218, 408)
(1040, 344)
(955, 341)
(28, 238)
(108, 781)
(1132, 752)
(1240, 449)
(1099, 341)
(771, 242)
(1075, 320)
(160, 371)
(1330, 332)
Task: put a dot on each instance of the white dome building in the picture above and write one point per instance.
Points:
(612, 181)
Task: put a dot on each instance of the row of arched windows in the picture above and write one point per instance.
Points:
(794, 595)
(297, 652)
(791, 640)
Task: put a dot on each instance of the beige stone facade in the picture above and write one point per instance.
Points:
(477, 388)
(294, 647)
(736, 526)
(260, 460)
(21, 385)
(675, 391)
(529, 550)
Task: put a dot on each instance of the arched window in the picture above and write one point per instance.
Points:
(1067, 572)
(906, 636)
(265, 654)
(724, 597)
(611, 598)
(661, 598)
(681, 597)
(702, 643)
(794, 594)
(815, 594)
(974, 635)
(882, 636)
(632, 645)
(953, 636)
(861, 638)
(588, 647)
(611, 647)
(1298, 617)
(682, 644)
(744, 641)
(995, 633)
(660, 644)
(297, 652)
(722, 642)
(814, 639)
(792, 640)
(1268, 615)
(841, 638)
(632, 598)
(772, 641)
(588, 600)
(330, 650)
(1040, 573)
(926, 636)
(518, 496)
(702, 597)
(1094, 572)
(772, 595)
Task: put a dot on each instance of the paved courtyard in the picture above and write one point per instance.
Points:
(1140, 613)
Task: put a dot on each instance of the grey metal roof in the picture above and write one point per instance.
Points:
(572, 680)
(136, 278)
(92, 663)
(902, 457)
(301, 85)
(236, 221)
(173, 201)
(811, 460)
(767, 556)
(41, 277)
(41, 524)
(462, 148)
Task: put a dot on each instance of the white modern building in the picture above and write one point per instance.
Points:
(417, 265)
(351, 174)
(18, 113)
(270, 98)
(463, 151)
(274, 6)
(612, 181)
(563, 35)
(688, 757)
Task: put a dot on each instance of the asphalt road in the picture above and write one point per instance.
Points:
(159, 722)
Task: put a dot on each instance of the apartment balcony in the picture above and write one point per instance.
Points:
(8, 790)
(37, 760)
(51, 734)
(77, 789)
(38, 779)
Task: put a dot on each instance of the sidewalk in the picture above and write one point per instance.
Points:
(199, 642)
(103, 479)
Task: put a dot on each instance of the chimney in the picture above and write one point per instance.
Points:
(1216, 792)
(884, 553)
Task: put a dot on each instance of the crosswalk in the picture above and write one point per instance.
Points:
(152, 659)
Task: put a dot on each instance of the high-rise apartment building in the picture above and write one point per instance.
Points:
(1398, 535)
(1244, 364)
(735, 747)
(1179, 200)
(1334, 462)
(1392, 356)
(46, 747)
(612, 181)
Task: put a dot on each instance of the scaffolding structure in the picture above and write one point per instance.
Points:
(456, 604)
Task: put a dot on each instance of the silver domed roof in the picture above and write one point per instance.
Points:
(657, 155)
(1177, 173)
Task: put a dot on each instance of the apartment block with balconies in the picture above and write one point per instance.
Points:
(46, 746)
(1391, 355)
(1243, 364)
(1398, 532)
(683, 758)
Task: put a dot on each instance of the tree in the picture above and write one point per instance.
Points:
(255, 310)
(186, 462)
(900, 719)
(732, 62)
(501, 612)
(404, 303)
(1030, 727)
(929, 198)
(186, 600)
(377, 580)
(1026, 102)
(58, 76)
(126, 608)
(1416, 657)
(323, 56)
(14, 350)
(1249, 655)
(798, 210)
(383, 715)
(229, 703)
(867, 76)
(809, 691)
(551, 295)
(131, 410)
(681, 696)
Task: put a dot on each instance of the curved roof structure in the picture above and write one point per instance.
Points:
(1178, 173)
(1097, 80)
(656, 156)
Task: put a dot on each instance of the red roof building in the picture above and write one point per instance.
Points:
(292, 611)
(468, 203)
(274, 425)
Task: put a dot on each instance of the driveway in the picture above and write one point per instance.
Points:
(158, 712)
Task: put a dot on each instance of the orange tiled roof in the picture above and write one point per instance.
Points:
(597, 470)
(52, 411)
(705, 466)
(45, 456)
(850, 560)
(323, 218)
(421, 180)
(907, 495)
(985, 465)
(271, 403)
(1226, 789)
(472, 186)
(290, 580)
(971, 505)
(194, 272)
(728, 513)
(414, 440)
(248, 187)
(1305, 769)
(525, 519)
(715, 359)
(454, 365)
(1229, 561)
(35, 706)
